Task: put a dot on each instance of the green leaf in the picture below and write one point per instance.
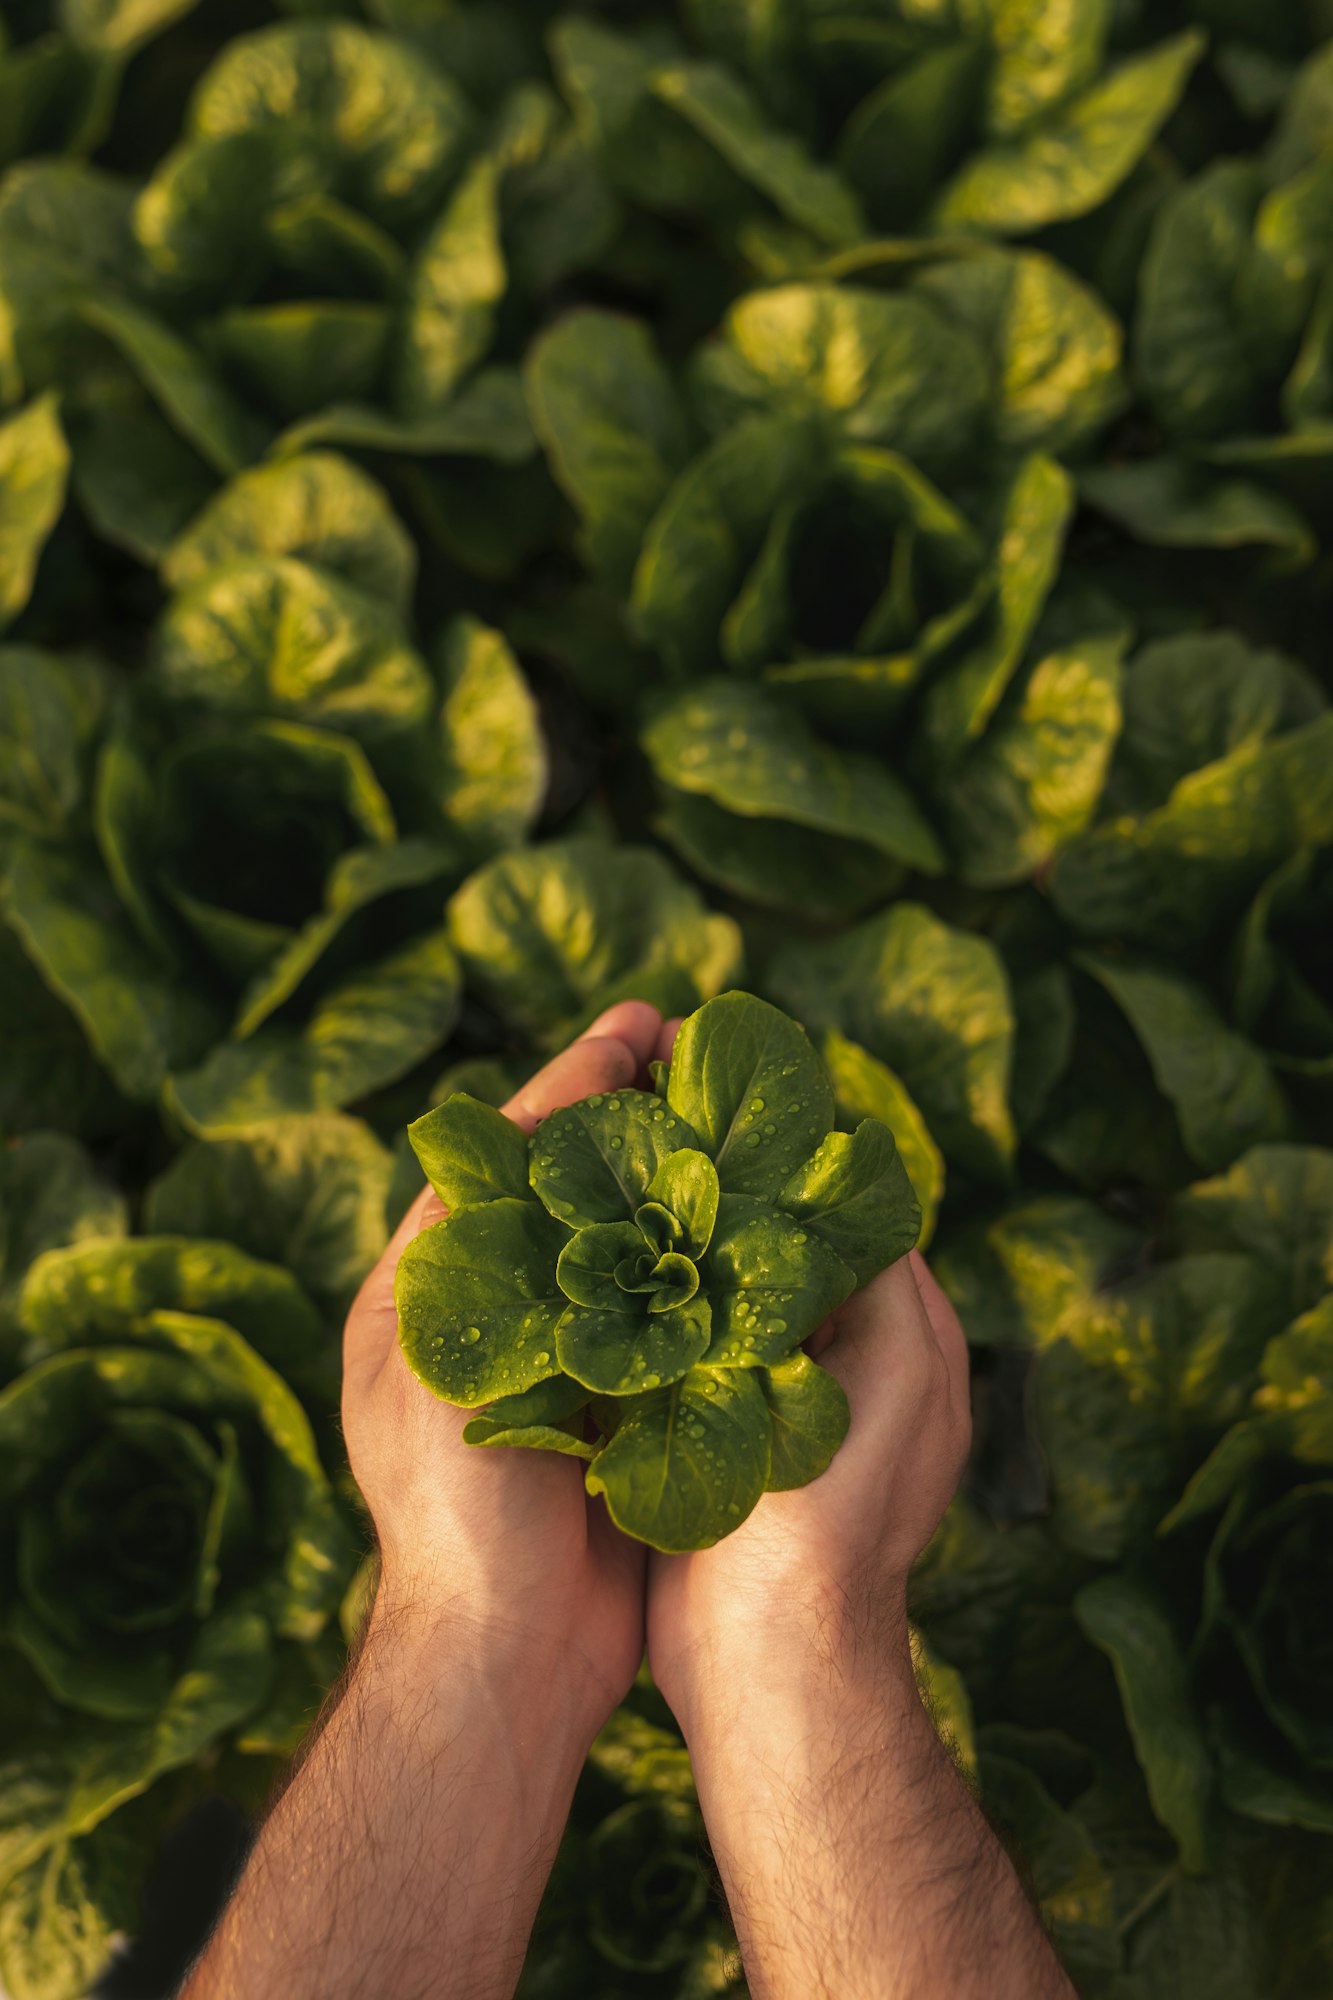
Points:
(588, 1270)
(770, 1281)
(367, 1030)
(1043, 56)
(105, 1290)
(932, 1003)
(687, 1187)
(34, 470)
(1173, 503)
(855, 1195)
(53, 1078)
(478, 1304)
(321, 509)
(775, 863)
(268, 635)
(648, 1894)
(294, 357)
(1166, 877)
(139, 1019)
(307, 1193)
(118, 27)
(69, 1786)
(1034, 513)
(454, 287)
(359, 879)
(50, 711)
(1069, 161)
(686, 134)
(612, 427)
(51, 1195)
(59, 1918)
(688, 1461)
(618, 1353)
(1225, 1095)
(869, 367)
(1133, 1628)
(470, 1153)
(487, 419)
(1206, 308)
(495, 773)
(1034, 1272)
(548, 1417)
(136, 480)
(1071, 1881)
(1138, 1385)
(224, 433)
(1194, 700)
(731, 1057)
(1036, 777)
(905, 135)
(551, 936)
(722, 111)
(810, 1416)
(392, 127)
(1054, 349)
(1276, 1203)
(709, 526)
(594, 1162)
(863, 1088)
(740, 746)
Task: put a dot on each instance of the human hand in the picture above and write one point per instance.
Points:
(819, 1575)
(498, 1555)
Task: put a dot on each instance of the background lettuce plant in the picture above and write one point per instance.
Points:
(656, 1260)
(505, 508)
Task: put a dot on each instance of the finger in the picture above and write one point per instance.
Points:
(887, 1313)
(666, 1040)
(593, 1063)
(945, 1325)
(633, 1022)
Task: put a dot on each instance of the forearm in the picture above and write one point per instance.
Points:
(855, 1860)
(407, 1858)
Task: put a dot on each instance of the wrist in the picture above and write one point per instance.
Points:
(813, 1659)
(440, 1677)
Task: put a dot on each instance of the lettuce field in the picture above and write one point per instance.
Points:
(503, 510)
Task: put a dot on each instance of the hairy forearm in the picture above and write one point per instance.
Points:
(407, 1857)
(857, 1864)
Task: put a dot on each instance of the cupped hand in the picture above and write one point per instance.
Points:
(819, 1575)
(499, 1553)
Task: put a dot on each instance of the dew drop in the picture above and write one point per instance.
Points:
(470, 1335)
(710, 1388)
(769, 1130)
(616, 1144)
(613, 1104)
(542, 1358)
(752, 1138)
(756, 1104)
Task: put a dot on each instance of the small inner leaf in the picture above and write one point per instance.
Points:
(658, 1226)
(686, 1187)
(675, 1282)
(589, 1266)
